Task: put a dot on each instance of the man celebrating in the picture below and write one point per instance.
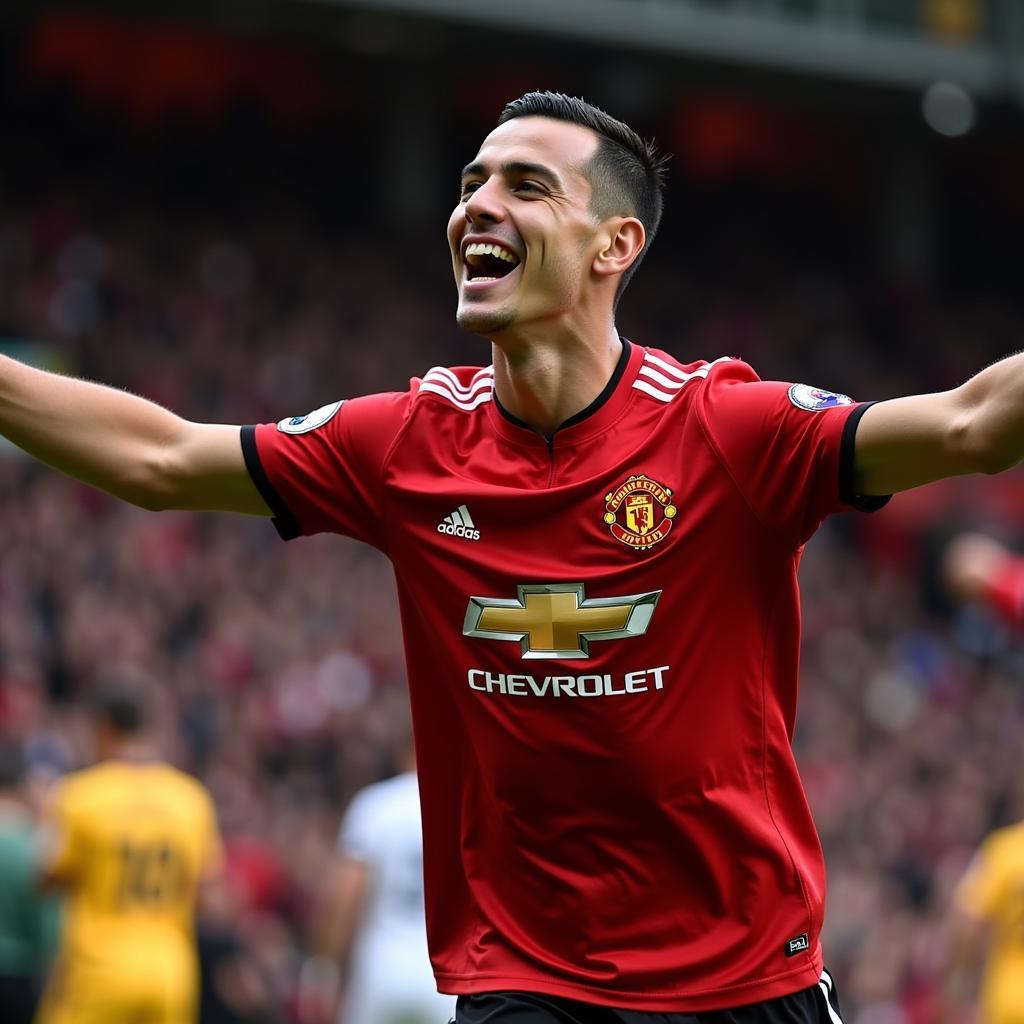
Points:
(596, 550)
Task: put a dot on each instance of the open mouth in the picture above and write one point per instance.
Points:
(488, 261)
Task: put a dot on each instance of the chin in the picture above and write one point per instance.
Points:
(486, 322)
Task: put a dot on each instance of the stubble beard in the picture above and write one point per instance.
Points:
(486, 323)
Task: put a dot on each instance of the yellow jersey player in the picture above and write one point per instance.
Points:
(990, 916)
(132, 841)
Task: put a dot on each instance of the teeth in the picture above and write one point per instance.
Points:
(489, 249)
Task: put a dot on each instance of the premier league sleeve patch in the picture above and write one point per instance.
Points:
(312, 420)
(803, 396)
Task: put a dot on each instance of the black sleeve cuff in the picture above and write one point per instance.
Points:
(284, 522)
(847, 452)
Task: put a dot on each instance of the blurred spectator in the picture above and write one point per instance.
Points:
(131, 841)
(372, 920)
(28, 921)
(989, 926)
(979, 568)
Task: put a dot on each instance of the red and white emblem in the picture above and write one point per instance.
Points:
(639, 512)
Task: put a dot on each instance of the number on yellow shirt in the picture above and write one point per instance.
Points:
(152, 874)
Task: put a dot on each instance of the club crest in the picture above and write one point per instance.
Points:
(639, 512)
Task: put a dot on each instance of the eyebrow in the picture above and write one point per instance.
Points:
(512, 169)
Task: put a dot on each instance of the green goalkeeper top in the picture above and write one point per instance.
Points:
(28, 920)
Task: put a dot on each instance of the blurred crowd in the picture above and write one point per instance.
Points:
(280, 669)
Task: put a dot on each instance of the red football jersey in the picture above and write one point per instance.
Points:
(602, 637)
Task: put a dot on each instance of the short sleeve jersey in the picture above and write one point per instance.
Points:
(131, 844)
(993, 891)
(602, 636)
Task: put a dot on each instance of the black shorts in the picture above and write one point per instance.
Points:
(818, 1004)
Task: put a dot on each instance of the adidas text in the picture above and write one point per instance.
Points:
(458, 531)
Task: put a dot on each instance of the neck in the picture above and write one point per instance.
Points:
(137, 750)
(545, 382)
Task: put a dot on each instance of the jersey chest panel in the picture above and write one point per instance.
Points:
(591, 584)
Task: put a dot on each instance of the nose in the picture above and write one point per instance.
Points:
(483, 205)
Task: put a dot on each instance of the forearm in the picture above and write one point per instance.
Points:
(975, 428)
(341, 911)
(125, 445)
(107, 438)
(992, 427)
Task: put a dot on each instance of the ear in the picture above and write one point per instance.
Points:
(621, 243)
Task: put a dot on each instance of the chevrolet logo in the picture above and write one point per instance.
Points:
(554, 620)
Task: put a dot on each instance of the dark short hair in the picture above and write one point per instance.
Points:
(123, 708)
(627, 172)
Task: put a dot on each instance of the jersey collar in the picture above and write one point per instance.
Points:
(594, 419)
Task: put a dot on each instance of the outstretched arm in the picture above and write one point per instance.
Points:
(123, 444)
(975, 428)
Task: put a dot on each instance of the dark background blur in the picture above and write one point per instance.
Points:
(238, 209)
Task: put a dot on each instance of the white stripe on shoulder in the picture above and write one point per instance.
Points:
(650, 389)
(675, 371)
(445, 376)
(670, 379)
(437, 388)
(659, 378)
(463, 394)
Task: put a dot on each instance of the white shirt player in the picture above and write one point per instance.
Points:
(390, 981)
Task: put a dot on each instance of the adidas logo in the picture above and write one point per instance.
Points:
(459, 524)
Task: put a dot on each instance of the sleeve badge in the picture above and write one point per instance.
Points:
(312, 420)
(803, 396)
